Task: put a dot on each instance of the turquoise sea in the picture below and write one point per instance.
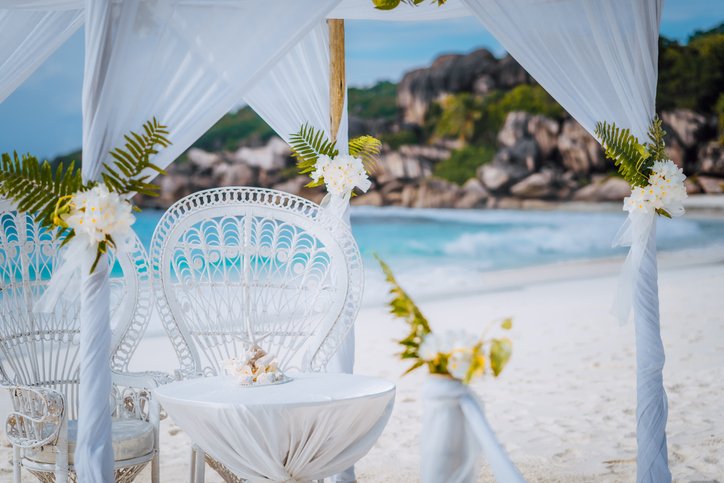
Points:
(440, 248)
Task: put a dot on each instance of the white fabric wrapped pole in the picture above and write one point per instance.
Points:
(448, 448)
(503, 469)
(598, 59)
(94, 450)
(28, 37)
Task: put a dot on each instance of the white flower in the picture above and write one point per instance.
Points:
(459, 362)
(429, 347)
(341, 174)
(99, 212)
(446, 343)
(665, 191)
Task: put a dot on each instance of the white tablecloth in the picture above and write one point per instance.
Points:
(310, 428)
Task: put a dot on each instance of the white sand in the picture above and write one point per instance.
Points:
(565, 405)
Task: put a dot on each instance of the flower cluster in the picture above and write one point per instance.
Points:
(99, 214)
(341, 174)
(459, 352)
(254, 366)
(665, 191)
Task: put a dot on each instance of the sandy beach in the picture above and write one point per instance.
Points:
(565, 405)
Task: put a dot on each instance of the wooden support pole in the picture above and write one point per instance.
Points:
(337, 79)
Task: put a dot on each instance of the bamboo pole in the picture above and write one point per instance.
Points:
(337, 82)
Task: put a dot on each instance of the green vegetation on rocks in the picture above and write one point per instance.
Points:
(464, 163)
(379, 100)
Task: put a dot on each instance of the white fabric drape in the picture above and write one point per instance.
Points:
(303, 430)
(28, 39)
(43, 4)
(186, 63)
(454, 430)
(598, 59)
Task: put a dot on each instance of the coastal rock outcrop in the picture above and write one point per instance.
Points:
(455, 73)
(580, 152)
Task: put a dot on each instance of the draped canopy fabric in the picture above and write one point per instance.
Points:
(187, 62)
(28, 38)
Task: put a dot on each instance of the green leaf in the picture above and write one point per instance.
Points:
(367, 148)
(307, 145)
(663, 212)
(417, 364)
(124, 175)
(500, 350)
(507, 324)
(386, 4)
(402, 306)
(621, 146)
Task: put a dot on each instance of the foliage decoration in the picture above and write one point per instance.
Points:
(34, 190)
(307, 145)
(456, 353)
(319, 158)
(656, 182)
(130, 163)
(392, 4)
(76, 207)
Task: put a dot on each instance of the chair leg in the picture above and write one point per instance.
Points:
(200, 466)
(192, 464)
(61, 453)
(16, 464)
(154, 414)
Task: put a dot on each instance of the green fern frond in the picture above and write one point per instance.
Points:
(634, 161)
(32, 187)
(308, 145)
(125, 175)
(367, 148)
(656, 146)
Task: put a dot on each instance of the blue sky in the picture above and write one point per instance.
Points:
(43, 116)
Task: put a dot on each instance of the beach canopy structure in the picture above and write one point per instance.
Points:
(188, 62)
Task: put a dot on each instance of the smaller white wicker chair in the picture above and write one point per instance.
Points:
(39, 358)
(227, 259)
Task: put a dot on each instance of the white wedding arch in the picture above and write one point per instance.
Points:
(188, 62)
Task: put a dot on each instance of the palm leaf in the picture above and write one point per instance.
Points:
(308, 145)
(367, 148)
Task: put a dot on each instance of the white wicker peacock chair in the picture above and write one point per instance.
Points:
(227, 259)
(39, 361)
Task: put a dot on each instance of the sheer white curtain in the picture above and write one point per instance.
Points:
(29, 36)
(186, 62)
(598, 59)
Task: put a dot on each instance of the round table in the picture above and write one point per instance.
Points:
(312, 427)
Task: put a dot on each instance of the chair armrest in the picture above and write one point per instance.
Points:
(147, 380)
(36, 418)
(132, 395)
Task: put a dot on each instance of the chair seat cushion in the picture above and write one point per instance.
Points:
(131, 439)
